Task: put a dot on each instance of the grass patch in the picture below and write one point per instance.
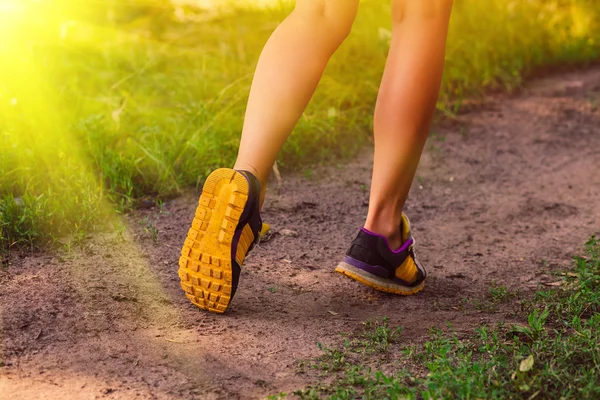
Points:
(554, 354)
(500, 293)
(103, 105)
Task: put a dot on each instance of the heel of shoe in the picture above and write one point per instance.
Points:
(206, 265)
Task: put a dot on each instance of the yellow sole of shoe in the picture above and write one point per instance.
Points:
(205, 265)
(375, 282)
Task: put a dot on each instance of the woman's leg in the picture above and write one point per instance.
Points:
(286, 77)
(227, 221)
(405, 106)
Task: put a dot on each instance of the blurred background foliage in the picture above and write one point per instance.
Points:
(104, 104)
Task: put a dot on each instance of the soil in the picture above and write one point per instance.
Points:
(506, 194)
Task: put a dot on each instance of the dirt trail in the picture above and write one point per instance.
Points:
(507, 185)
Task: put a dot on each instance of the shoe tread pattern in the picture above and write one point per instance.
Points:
(205, 268)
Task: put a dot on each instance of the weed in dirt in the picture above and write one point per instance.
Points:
(555, 354)
(72, 241)
(378, 336)
(149, 222)
(120, 231)
(485, 306)
(500, 294)
(332, 360)
(309, 174)
(497, 295)
(150, 228)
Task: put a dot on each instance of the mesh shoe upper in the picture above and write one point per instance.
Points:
(371, 252)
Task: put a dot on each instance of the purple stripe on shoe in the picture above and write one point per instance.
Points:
(377, 271)
(372, 269)
(405, 246)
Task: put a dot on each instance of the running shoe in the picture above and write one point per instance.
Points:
(226, 227)
(372, 262)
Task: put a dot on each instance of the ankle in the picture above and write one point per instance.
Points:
(249, 168)
(390, 232)
(262, 179)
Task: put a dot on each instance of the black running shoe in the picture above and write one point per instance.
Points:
(372, 262)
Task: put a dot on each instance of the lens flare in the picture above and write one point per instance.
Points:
(11, 8)
(12, 15)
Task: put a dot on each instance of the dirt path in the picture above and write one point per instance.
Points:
(508, 185)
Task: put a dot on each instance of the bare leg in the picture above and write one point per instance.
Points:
(286, 77)
(405, 106)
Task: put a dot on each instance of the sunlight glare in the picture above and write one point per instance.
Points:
(12, 12)
(9, 8)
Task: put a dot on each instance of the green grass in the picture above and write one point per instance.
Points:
(499, 293)
(100, 109)
(554, 353)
